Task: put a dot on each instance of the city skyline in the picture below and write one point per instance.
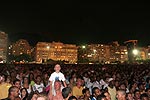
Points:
(22, 51)
(76, 22)
(58, 51)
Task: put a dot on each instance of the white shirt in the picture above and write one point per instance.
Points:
(96, 84)
(56, 76)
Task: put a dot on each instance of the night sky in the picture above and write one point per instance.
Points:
(76, 22)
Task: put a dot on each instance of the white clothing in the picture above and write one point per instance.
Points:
(37, 87)
(90, 86)
(56, 76)
(86, 79)
(97, 84)
(29, 89)
(103, 83)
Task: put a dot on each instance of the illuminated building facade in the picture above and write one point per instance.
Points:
(98, 53)
(3, 47)
(143, 54)
(56, 51)
(20, 47)
(102, 53)
(118, 53)
(148, 52)
(123, 54)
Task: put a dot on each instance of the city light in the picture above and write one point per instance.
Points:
(94, 50)
(83, 46)
(47, 47)
(135, 52)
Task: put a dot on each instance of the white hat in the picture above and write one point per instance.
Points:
(110, 79)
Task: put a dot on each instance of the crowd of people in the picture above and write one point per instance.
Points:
(74, 82)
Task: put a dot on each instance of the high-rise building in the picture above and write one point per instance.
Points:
(56, 51)
(114, 51)
(102, 53)
(123, 54)
(131, 46)
(3, 46)
(98, 53)
(143, 53)
(20, 47)
(41, 51)
(117, 52)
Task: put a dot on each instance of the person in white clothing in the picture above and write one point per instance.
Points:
(38, 86)
(56, 76)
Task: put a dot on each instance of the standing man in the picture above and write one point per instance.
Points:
(112, 89)
(56, 76)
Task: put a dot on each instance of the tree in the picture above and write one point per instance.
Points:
(23, 58)
(51, 61)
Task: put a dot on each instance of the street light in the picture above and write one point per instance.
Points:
(83, 47)
(47, 47)
(135, 52)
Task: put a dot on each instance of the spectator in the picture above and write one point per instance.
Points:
(4, 87)
(144, 96)
(112, 89)
(101, 97)
(17, 83)
(44, 97)
(107, 95)
(129, 96)
(72, 98)
(45, 78)
(25, 84)
(123, 87)
(86, 94)
(32, 96)
(148, 92)
(141, 88)
(95, 92)
(77, 90)
(66, 93)
(13, 93)
(24, 94)
(137, 95)
(38, 86)
(57, 75)
(121, 95)
(31, 79)
(57, 88)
